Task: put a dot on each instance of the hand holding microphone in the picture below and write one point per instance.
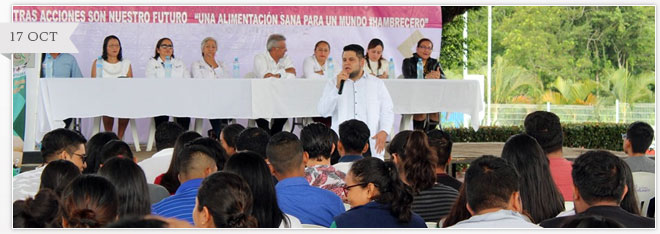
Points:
(341, 78)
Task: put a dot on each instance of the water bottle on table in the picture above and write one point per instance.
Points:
(48, 66)
(168, 67)
(390, 70)
(236, 69)
(420, 69)
(99, 67)
(331, 69)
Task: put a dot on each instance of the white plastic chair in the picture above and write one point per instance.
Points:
(431, 225)
(645, 189)
(136, 141)
(307, 225)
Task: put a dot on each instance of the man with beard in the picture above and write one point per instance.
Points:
(364, 97)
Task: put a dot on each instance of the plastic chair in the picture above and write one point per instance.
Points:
(431, 225)
(645, 189)
(307, 225)
(568, 205)
(136, 140)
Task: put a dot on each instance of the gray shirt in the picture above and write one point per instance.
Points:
(640, 164)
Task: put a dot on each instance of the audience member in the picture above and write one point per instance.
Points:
(132, 190)
(378, 198)
(228, 137)
(441, 142)
(493, 195)
(546, 129)
(89, 201)
(254, 170)
(138, 222)
(636, 141)
(539, 194)
(600, 185)
(42, 211)
(166, 135)
(353, 143)
(294, 194)
(629, 202)
(415, 162)
(57, 175)
(458, 212)
(60, 143)
(316, 140)
(334, 159)
(170, 179)
(93, 147)
(253, 139)
(591, 221)
(194, 164)
(116, 148)
(233, 210)
(216, 149)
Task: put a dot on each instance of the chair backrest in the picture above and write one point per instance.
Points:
(568, 205)
(307, 225)
(645, 189)
(431, 225)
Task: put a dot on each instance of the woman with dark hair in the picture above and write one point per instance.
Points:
(378, 198)
(116, 148)
(170, 179)
(538, 192)
(432, 70)
(458, 212)
(228, 137)
(57, 175)
(232, 211)
(214, 147)
(112, 65)
(253, 169)
(128, 178)
(315, 66)
(629, 202)
(163, 66)
(334, 159)
(376, 65)
(89, 201)
(42, 211)
(416, 161)
(93, 149)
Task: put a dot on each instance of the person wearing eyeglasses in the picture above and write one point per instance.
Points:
(432, 70)
(164, 66)
(378, 198)
(113, 66)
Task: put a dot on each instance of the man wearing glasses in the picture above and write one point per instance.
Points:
(58, 144)
(275, 64)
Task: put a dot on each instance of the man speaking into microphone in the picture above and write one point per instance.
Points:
(358, 95)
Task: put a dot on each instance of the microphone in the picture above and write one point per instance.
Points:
(341, 86)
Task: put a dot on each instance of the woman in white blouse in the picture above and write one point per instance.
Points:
(315, 66)
(376, 65)
(113, 65)
(156, 68)
(210, 68)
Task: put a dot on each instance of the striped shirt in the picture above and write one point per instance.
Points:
(181, 204)
(434, 203)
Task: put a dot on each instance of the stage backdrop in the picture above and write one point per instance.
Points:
(241, 31)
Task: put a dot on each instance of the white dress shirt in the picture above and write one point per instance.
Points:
(498, 219)
(201, 69)
(311, 66)
(366, 99)
(156, 69)
(26, 184)
(157, 164)
(264, 63)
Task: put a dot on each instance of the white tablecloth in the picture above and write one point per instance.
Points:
(233, 98)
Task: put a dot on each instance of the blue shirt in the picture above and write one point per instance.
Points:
(375, 215)
(309, 204)
(64, 65)
(181, 204)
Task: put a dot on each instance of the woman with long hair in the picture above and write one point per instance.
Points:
(57, 175)
(170, 179)
(128, 178)
(93, 149)
(234, 208)
(89, 201)
(376, 65)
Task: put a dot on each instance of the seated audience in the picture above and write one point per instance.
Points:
(492, 190)
(149, 221)
(317, 143)
(540, 197)
(334, 159)
(170, 179)
(128, 179)
(42, 211)
(228, 137)
(637, 140)
(416, 161)
(441, 142)
(166, 135)
(591, 221)
(194, 164)
(89, 201)
(458, 212)
(253, 139)
(600, 185)
(294, 194)
(216, 149)
(254, 170)
(546, 129)
(353, 143)
(378, 198)
(224, 200)
(93, 147)
(57, 175)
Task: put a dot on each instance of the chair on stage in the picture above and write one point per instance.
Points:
(645, 189)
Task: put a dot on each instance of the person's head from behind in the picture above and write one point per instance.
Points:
(546, 129)
(166, 135)
(540, 197)
(138, 222)
(195, 162)
(171, 180)
(93, 147)
(317, 143)
(116, 149)
(65, 144)
(591, 221)
(42, 211)
(598, 179)
(371, 179)
(228, 137)
(254, 170)
(131, 184)
(492, 183)
(353, 60)
(441, 142)
(232, 211)
(215, 148)
(57, 175)
(285, 156)
(253, 139)
(629, 202)
(414, 158)
(458, 210)
(353, 138)
(335, 154)
(638, 138)
(89, 201)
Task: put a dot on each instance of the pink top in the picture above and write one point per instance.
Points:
(560, 168)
